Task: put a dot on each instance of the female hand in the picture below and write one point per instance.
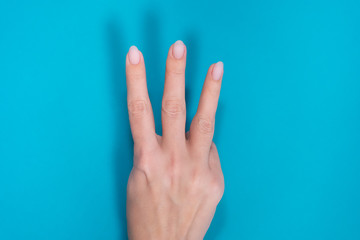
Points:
(176, 181)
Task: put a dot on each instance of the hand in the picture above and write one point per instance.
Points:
(176, 181)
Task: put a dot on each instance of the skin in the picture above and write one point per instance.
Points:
(176, 181)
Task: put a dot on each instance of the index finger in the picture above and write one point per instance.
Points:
(139, 106)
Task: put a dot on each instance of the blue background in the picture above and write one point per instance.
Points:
(288, 123)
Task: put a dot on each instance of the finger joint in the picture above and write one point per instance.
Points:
(173, 108)
(206, 126)
(137, 108)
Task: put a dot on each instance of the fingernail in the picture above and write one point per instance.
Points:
(178, 49)
(134, 55)
(218, 71)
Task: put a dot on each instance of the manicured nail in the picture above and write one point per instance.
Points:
(218, 71)
(134, 55)
(178, 49)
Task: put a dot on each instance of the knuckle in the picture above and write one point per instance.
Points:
(196, 182)
(217, 187)
(173, 171)
(173, 108)
(140, 157)
(142, 163)
(143, 158)
(174, 71)
(137, 108)
(206, 126)
(212, 91)
(135, 74)
(137, 182)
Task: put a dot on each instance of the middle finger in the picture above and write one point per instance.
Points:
(173, 114)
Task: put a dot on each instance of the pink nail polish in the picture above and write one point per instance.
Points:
(218, 71)
(134, 55)
(178, 49)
